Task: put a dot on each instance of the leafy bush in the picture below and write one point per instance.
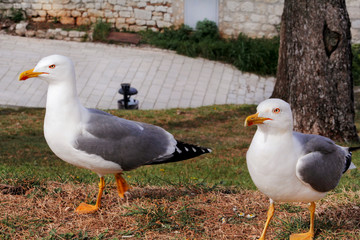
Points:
(247, 54)
(101, 30)
(206, 29)
(356, 64)
(17, 15)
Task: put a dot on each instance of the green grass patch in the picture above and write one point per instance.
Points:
(101, 31)
(26, 160)
(179, 197)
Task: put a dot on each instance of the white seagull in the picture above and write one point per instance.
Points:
(289, 166)
(96, 140)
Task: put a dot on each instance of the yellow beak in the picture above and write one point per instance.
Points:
(30, 74)
(255, 119)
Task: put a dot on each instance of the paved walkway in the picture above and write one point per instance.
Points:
(162, 78)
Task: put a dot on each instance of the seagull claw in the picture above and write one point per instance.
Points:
(302, 236)
(85, 208)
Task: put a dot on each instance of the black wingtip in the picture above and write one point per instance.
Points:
(182, 152)
(352, 149)
(347, 162)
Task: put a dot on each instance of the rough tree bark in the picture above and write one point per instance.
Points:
(314, 70)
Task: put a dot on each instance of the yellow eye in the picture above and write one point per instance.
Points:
(276, 110)
(52, 66)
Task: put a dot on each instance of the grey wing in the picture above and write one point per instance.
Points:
(130, 144)
(322, 163)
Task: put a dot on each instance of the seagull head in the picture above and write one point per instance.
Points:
(53, 69)
(272, 114)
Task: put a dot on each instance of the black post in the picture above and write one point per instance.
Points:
(126, 87)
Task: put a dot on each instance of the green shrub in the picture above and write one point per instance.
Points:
(206, 29)
(356, 64)
(247, 54)
(259, 55)
(16, 15)
(101, 31)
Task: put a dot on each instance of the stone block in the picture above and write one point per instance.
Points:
(122, 26)
(75, 13)
(36, 6)
(161, 8)
(233, 5)
(257, 18)
(20, 28)
(64, 33)
(70, 6)
(150, 23)
(162, 24)
(157, 14)
(57, 6)
(67, 20)
(247, 7)
(142, 14)
(39, 19)
(52, 13)
(137, 28)
(24, 5)
(167, 17)
(40, 33)
(274, 19)
(157, 18)
(120, 20)
(42, 13)
(141, 4)
(108, 14)
(156, 1)
(154, 29)
(30, 33)
(130, 20)
(63, 13)
(149, 8)
(125, 14)
(47, 7)
(74, 34)
(140, 22)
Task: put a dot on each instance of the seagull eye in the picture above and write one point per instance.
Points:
(276, 110)
(52, 66)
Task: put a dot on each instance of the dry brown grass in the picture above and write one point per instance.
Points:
(165, 213)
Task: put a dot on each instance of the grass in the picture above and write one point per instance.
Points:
(190, 199)
(101, 30)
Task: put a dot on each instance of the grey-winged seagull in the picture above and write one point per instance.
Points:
(289, 166)
(97, 140)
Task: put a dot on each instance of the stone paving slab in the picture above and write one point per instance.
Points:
(162, 78)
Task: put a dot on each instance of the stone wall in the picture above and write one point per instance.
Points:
(260, 18)
(254, 18)
(133, 15)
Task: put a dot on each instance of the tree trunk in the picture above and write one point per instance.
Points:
(314, 70)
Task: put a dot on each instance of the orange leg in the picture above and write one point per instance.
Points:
(310, 234)
(87, 208)
(122, 185)
(270, 214)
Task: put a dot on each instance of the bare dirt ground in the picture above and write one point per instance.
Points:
(166, 213)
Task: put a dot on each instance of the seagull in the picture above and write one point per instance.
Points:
(289, 166)
(96, 140)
